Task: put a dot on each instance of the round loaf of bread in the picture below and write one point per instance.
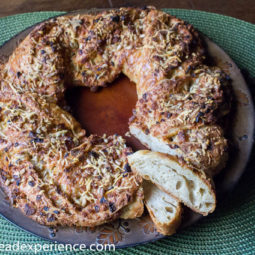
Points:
(48, 166)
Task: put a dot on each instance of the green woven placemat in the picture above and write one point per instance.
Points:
(231, 229)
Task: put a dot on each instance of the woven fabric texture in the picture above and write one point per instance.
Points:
(231, 229)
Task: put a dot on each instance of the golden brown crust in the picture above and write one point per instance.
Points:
(49, 168)
(203, 148)
(54, 173)
(135, 208)
(184, 113)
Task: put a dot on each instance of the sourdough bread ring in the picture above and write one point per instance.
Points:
(49, 167)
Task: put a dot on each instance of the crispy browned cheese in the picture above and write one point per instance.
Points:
(48, 167)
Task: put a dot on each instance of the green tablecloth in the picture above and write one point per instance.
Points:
(231, 229)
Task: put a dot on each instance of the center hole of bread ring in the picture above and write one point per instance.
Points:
(107, 110)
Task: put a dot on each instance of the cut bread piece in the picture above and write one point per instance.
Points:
(165, 211)
(188, 185)
(189, 144)
(135, 208)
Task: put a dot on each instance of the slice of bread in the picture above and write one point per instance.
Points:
(165, 211)
(190, 186)
(135, 208)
